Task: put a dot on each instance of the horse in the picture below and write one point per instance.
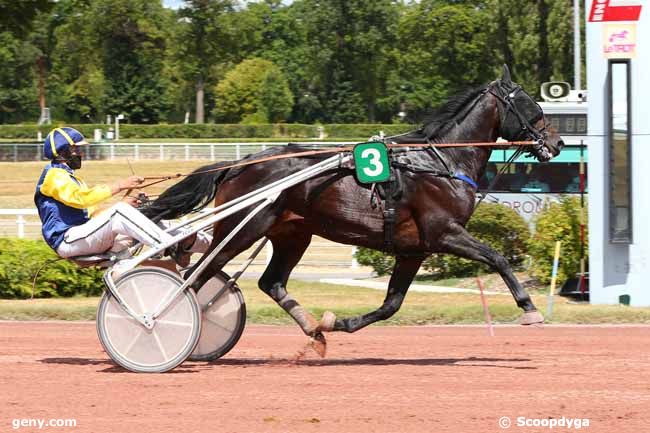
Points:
(430, 215)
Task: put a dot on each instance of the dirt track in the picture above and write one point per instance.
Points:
(424, 379)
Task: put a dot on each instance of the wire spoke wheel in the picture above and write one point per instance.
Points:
(175, 332)
(223, 323)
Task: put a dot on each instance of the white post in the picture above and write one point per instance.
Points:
(237, 151)
(15, 153)
(112, 151)
(187, 152)
(117, 125)
(136, 152)
(211, 152)
(21, 226)
(355, 264)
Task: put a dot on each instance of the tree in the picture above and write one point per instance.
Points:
(132, 41)
(276, 32)
(351, 39)
(446, 50)
(16, 17)
(204, 39)
(18, 96)
(256, 89)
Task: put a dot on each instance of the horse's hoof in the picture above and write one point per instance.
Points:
(327, 322)
(531, 318)
(319, 344)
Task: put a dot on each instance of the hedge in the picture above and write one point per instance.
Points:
(494, 224)
(214, 130)
(20, 259)
(557, 222)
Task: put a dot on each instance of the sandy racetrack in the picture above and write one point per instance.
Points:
(409, 379)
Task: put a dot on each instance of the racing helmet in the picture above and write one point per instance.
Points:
(59, 140)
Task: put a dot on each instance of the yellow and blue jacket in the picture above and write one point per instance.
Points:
(63, 201)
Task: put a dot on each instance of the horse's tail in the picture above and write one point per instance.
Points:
(189, 195)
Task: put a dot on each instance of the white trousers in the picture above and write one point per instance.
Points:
(122, 222)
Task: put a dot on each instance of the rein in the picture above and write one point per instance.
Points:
(159, 179)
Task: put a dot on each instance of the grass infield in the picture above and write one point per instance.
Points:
(418, 308)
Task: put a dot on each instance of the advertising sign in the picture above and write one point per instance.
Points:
(619, 41)
(612, 10)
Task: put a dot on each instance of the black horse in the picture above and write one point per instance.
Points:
(431, 212)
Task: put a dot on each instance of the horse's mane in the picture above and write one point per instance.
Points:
(442, 118)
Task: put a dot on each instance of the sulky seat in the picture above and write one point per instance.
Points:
(100, 260)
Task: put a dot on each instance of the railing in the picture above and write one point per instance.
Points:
(16, 152)
(25, 224)
(21, 222)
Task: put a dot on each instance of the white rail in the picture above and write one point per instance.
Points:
(21, 221)
(179, 151)
(321, 252)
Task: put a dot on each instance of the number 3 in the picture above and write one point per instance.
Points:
(374, 161)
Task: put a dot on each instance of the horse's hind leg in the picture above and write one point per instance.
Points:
(289, 244)
(400, 281)
(460, 243)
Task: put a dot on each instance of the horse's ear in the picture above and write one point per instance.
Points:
(506, 75)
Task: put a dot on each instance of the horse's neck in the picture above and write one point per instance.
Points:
(479, 126)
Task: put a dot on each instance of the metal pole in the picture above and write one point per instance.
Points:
(577, 44)
(582, 219)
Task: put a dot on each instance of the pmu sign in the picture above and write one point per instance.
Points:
(602, 10)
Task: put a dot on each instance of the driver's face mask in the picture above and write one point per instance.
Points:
(73, 158)
(74, 162)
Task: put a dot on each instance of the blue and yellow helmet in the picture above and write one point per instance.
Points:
(60, 139)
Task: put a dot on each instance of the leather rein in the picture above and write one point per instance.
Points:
(333, 150)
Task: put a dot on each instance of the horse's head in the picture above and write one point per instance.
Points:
(522, 119)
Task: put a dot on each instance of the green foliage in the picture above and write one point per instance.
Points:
(496, 225)
(558, 222)
(215, 130)
(255, 87)
(446, 49)
(20, 259)
(380, 262)
(340, 61)
(17, 16)
(18, 99)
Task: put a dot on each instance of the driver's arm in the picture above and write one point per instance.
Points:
(59, 185)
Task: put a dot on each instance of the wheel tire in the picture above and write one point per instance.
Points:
(175, 333)
(222, 325)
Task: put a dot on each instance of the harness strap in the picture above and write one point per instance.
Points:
(159, 179)
(450, 175)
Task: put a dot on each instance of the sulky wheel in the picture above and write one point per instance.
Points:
(223, 323)
(175, 332)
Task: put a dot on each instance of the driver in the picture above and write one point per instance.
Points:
(72, 226)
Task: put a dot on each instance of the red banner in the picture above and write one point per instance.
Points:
(602, 11)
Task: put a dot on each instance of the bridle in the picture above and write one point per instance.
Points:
(507, 98)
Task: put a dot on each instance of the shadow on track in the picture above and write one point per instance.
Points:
(458, 362)
(191, 367)
(113, 368)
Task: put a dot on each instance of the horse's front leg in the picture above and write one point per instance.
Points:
(459, 242)
(400, 281)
